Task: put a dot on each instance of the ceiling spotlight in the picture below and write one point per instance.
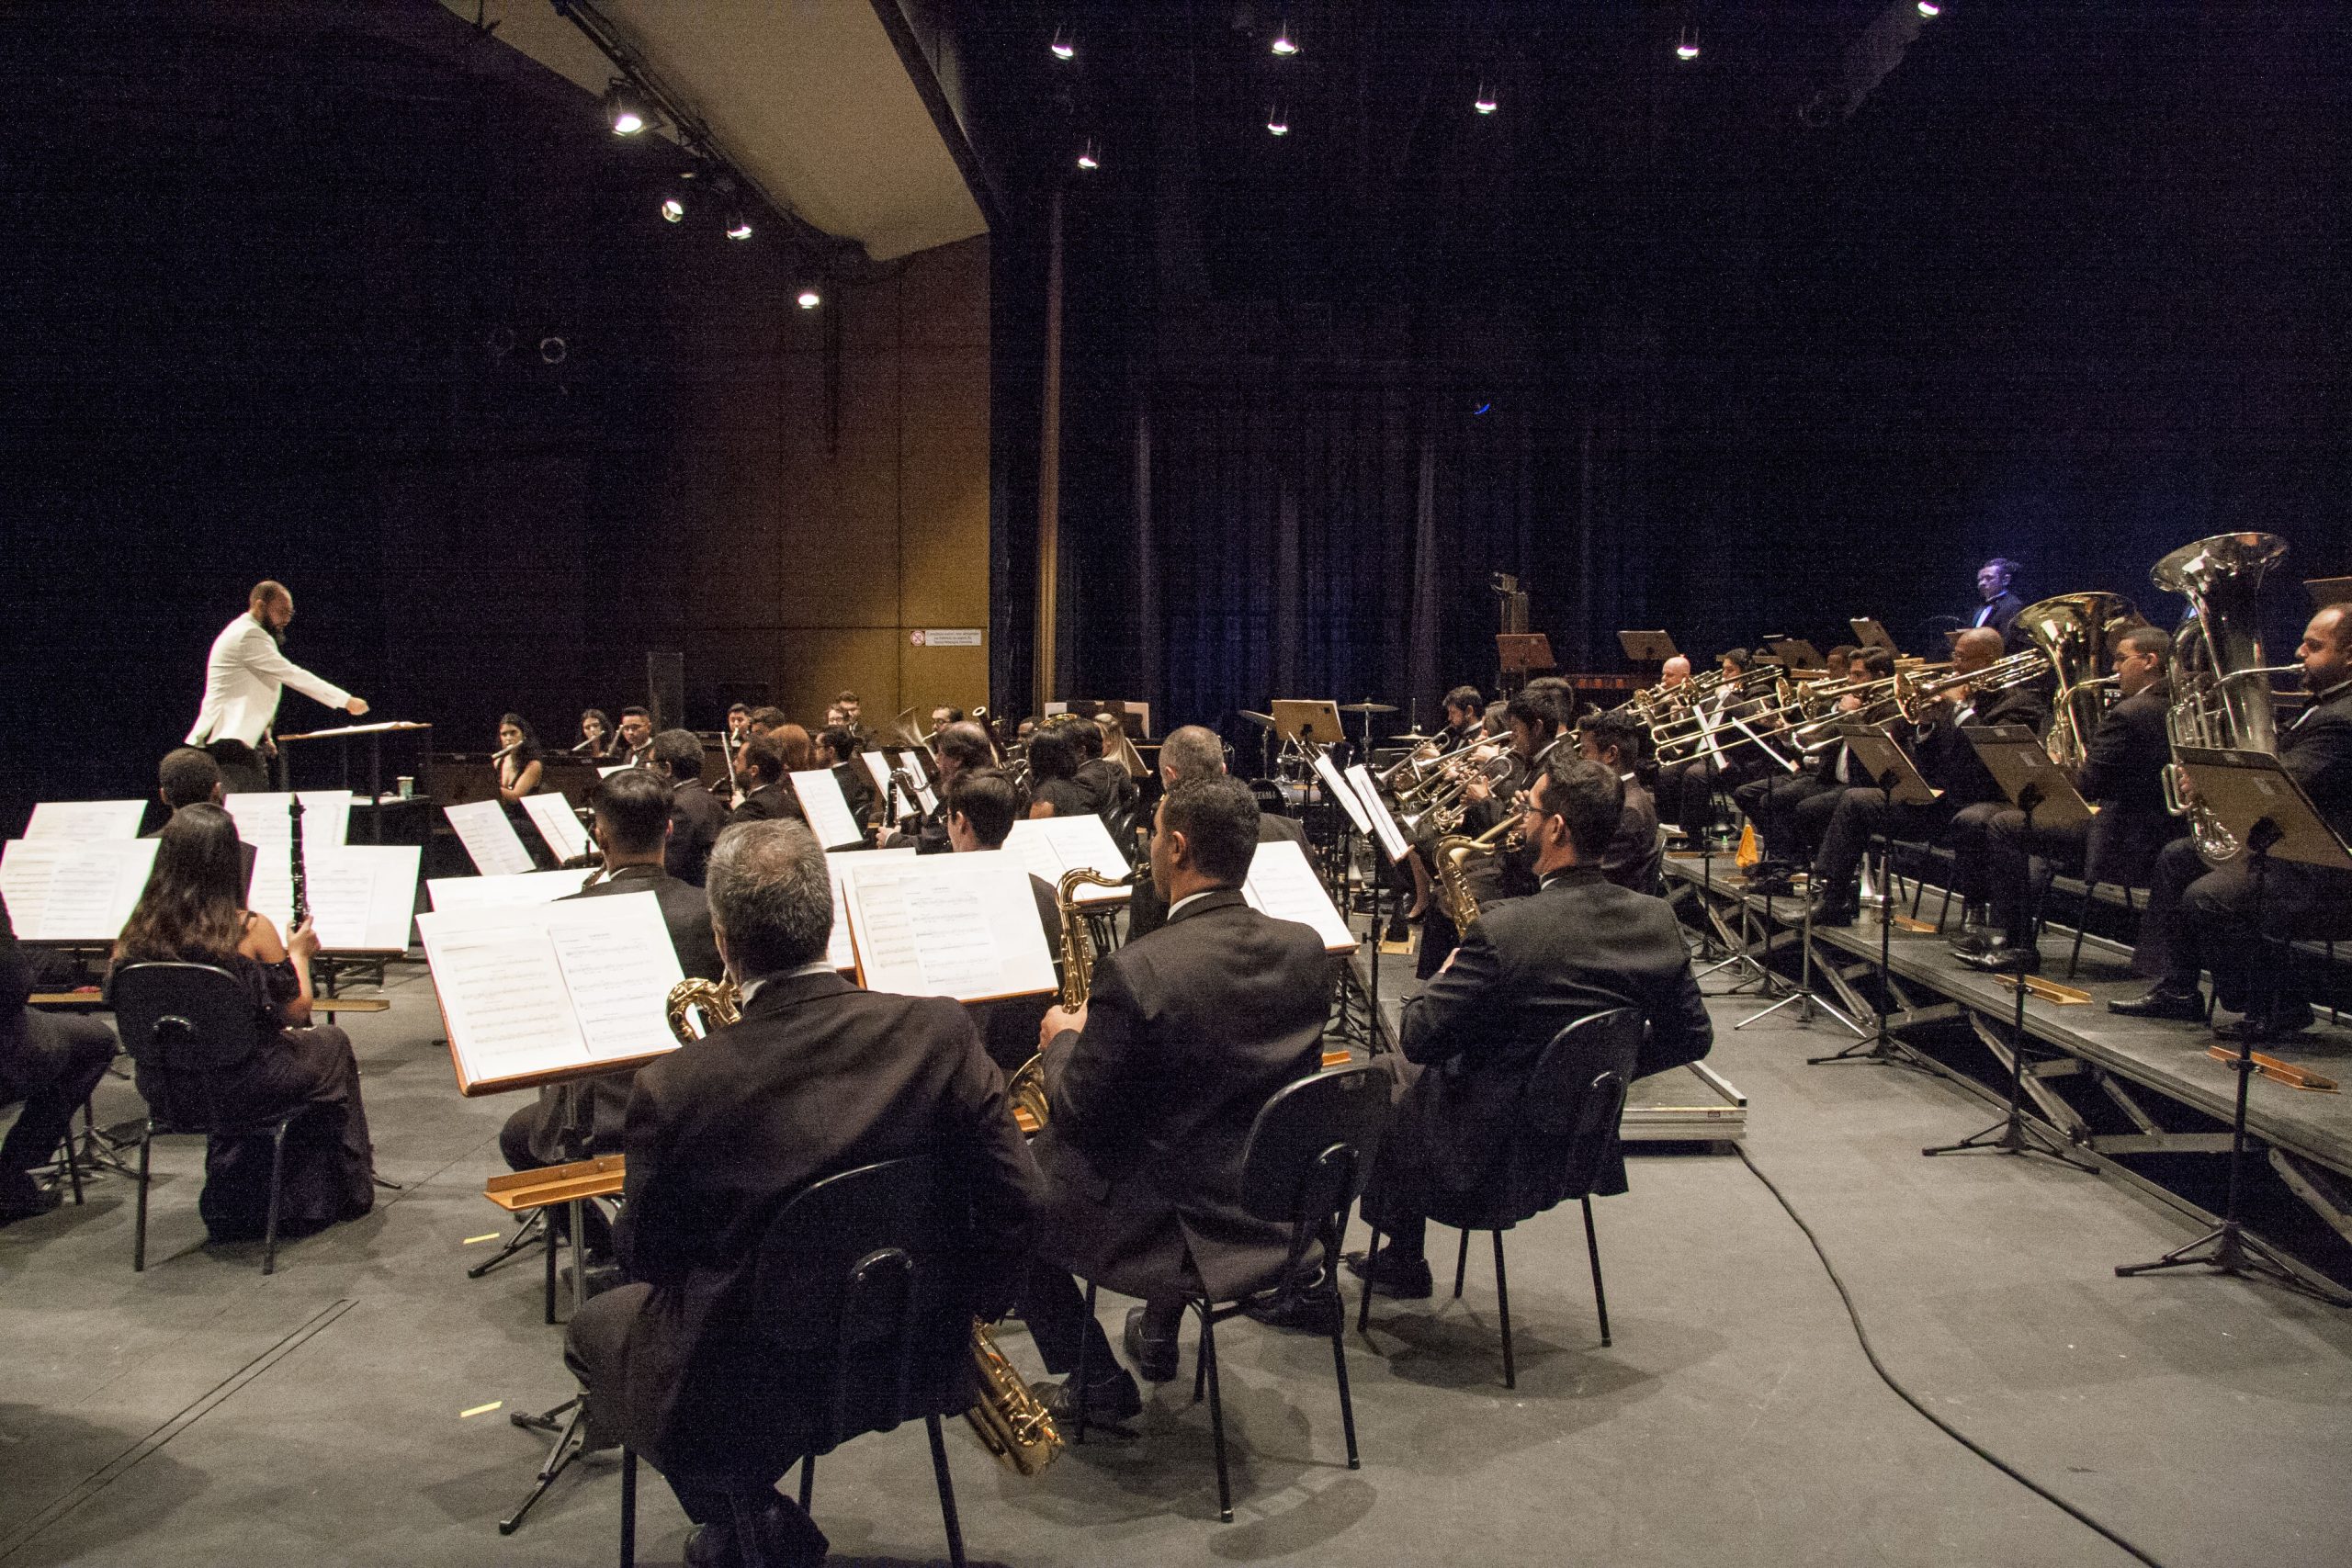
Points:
(1277, 122)
(625, 111)
(1089, 157)
(1283, 44)
(672, 208)
(1689, 48)
(738, 226)
(808, 299)
(1065, 46)
(1484, 102)
(1930, 9)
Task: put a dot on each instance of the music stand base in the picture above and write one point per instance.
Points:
(568, 1424)
(2228, 1250)
(2014, 1134)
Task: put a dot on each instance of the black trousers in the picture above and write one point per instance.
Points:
(2019, 862)
(1054, 1307)
(1965, 836)
(1862, 815)
(53, 1070)
(1773, 803)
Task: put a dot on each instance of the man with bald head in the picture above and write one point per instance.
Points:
(1960, 815)
(1675, 672)
(1194, 753)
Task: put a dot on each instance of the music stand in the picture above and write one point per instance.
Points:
(1308, 723)
(1870, 634)
(1796, 653)
(2259, 801)
(2326, 591)
(1897, 780)
(375, 734)
(1521, 654)
(1647, 647)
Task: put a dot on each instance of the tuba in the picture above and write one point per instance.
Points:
(1027, 1092)
(2221, 690)
(1009, 1421)
(2077, 633)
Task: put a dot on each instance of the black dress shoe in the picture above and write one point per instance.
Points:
(1153, 1353)
(1109, 1400)
(1973, 941)
(26, 1205)
(2257, 1027)
(2005, 958)
(1406, 1279)
(788, 1538)
(1835, 911)
(1309, 1310)
(2187, 1007)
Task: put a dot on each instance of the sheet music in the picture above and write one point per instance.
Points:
(841, 951)
(1049, 846)
(529, 991)
(80, 890)
(877, 767)
(264, 822)
(962, 926)
(1384, 825)
(616, 768)
(920, 776)
(25, 868)
(485, 892)
(1282, 884)
(489, 838)
(361, 895)
(86, 820)
(1338, 789)
(826, 808)
(558, 824)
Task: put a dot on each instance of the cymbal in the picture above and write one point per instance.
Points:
(1367, 708)
(1413, 736)
(1262, 720)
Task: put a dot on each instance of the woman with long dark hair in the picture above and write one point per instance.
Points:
(192, 912)
(519, 768)
(596, 736)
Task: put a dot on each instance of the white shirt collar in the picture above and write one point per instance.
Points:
(752, 986)
(1191, 899)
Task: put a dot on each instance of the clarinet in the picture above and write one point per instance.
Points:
(301, 892)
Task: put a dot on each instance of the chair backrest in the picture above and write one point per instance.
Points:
(1310, 1148)
(1578, 1091)
(855, 1287)
(182, 1023)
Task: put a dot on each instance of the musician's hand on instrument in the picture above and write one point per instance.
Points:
(1476, 789)
(1057, 1019)
(355, 706)
(302, 942)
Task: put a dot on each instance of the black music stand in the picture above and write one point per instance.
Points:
(344, 733)
(2259, 801)
(1871, 634)
(1647, 647)
(1899, 783)
(1520, 654)
(1388, 839)
(2326, 591)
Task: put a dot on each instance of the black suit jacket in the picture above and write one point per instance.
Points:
(1949, 763)
(767, 804)
(817, 1078)
(1147, 911)
(2002, 618)
(1633, 858)
(696, 819)
(2123, 774)
(1527, 970)
(2316, 747)
(604, 1117)
(1189, 1031)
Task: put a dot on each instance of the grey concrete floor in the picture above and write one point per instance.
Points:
(200, 1414)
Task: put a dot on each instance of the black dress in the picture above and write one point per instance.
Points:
(330, 1172)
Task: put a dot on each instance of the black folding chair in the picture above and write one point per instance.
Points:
(1304, 1164)
(184, 1025)
(848, 1297)
(1567, 1131)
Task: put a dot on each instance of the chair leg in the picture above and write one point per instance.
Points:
(628, 1507)
(1502, 1311)
(808, 1481)
(1461, 1263)
(1216, 1415)
(747, 1531)
(1592, 1248)
(277, 1172)
(1078, 1379)
(72, 1159)
(1364, 1301)
(547, 1228)
(946, 1493)
(2082, 921)
(1339, 1365)
(139, 1226)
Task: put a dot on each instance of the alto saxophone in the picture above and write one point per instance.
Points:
(1009, 1420)
(1453, 853)
(1027, 1092)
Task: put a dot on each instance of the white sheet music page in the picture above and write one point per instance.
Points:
(840, 949)
(25, 868)
(86, 819)
(482, 892)
(1282, 884)
(361, 895)
(1340, 790)
(490, 840)
(558, 824)
(92, 886)
(877, 767)
(961, 926)
(1384, 825)
(619, 965)
(265, 822)
(826, 808)
(1077, 842)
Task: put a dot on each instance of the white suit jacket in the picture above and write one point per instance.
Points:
(243, 676)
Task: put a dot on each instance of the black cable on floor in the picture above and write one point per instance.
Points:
(1870, 1353)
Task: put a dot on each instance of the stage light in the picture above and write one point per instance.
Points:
(625, 111)
(1930, 9)
(1089, 157)
(738, 226)
(1688, 49)
(1484, 103)
(1283, 44)
(808, 299)
(1065, 45)
(672, 208)
(1277, 122)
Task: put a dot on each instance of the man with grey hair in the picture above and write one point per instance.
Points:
(817, 1078)
(1193, 751)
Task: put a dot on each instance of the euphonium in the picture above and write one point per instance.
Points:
(2077, 633)
(2221, 690)
(1027, 1089)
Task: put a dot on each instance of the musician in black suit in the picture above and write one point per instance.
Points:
(50, 1061)
(2122, 776)
(1154, 1084)
(189, 776)
(1465, 719)
(2198, 918)
(1635, 854)
(981, 805)
(1968, 796)
(819, 1078)
(696, 815)
(1529, 968)
(583, 1119)
(768, 796)
(837, 750)
(1190, 751)
(2001, 603)
(634, 743)
(954, 749)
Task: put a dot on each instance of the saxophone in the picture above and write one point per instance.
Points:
(1027, 1092)
(1454, 852)
(1009, 1420)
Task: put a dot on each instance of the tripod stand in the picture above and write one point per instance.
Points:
(1880, 1044)
(2228, 1249)
(1802, 993)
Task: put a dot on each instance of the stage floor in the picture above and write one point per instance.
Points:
(200, 1414)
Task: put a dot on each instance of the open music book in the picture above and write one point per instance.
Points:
(75, 890)
(1282, 884)
(531, 995)
(264, 822)
(1338, 788)
(962, 926)
(827, 809)
(86, 819)
(1384, 822)
(558, 824)
(489, 838)
(483, 892)
(361, 895)
(1049, 846)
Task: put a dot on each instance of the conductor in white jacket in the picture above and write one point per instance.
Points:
(243, 676)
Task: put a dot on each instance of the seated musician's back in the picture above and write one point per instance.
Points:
(817, 1078)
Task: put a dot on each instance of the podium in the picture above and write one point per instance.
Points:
(374, 734)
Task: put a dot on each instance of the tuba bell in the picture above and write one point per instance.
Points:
(2077, 633)
(2221, 689)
